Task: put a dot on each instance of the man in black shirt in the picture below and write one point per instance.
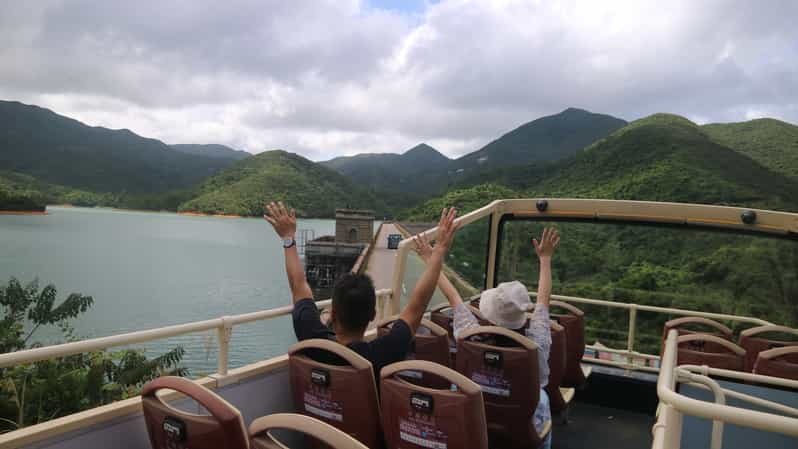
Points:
(354, 300)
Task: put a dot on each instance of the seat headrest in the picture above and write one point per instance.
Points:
(496, 330)
(300, 423)
(353, 358)
(463, 383)
(434, 328)
(683, 321)
(729, 346)
(212, 402)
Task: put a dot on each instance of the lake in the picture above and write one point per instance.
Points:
(148, 270)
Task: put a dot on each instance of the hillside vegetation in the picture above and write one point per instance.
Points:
(662, 158)
(314, 190)
(59, 150)
(770, 142)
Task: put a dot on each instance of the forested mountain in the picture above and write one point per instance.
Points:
(314, 190)
(423, 172)
(211, 150)
(401, 179)
(770, 142)
(663, 158)
(546, 139)
(60, 150)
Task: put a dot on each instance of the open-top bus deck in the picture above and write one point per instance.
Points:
(633, 398)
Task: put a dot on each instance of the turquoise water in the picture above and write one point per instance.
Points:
(148, 270)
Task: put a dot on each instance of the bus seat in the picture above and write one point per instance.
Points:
(573, 320)
(443, 316)
(415, 416)
(686, 326)
(431, 343)
(168, 427)
(730, 357)
(505, 365)
(557, 364)
(778, 362)
(753, 342)
(334, 384)
(320, 431)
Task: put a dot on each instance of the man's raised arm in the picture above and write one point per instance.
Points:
(425, 287)
(284, 223)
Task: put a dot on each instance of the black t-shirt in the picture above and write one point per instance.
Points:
(390, 348)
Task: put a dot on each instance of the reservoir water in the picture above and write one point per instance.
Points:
(147, 270)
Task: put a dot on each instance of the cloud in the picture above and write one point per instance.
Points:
(325, 78)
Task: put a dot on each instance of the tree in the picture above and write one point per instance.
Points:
(56, 387)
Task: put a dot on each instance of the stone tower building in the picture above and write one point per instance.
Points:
(354, 226)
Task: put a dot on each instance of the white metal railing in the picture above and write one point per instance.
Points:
(667, 431)
(223, 325)
(633, 308)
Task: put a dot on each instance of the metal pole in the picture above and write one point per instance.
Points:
(630, 341)
(224, 333)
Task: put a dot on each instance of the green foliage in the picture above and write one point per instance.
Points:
(242, 189)
(58, 150)
(661, 158)
(770, 142)
(56, 387)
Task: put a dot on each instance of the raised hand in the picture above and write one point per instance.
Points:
(423, 247)
(549, 242)
(446, 229)
(282, 220)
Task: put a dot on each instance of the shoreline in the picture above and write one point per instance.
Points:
(200, 214)
(23, 212)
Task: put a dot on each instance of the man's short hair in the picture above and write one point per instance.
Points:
(354, 301)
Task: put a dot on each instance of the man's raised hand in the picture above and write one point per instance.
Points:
(549, 241)
(446, 229)
(282, 220)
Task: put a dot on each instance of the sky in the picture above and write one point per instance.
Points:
(340, 77)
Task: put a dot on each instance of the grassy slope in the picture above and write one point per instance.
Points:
(770, 142)
(243, 188)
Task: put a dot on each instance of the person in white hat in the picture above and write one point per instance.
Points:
(506, 306)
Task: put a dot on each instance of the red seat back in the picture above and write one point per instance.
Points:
(415, 416)
(168, 428)
(341, 392)
(686, 326)
(557, 366)
(431, 343)
(753, 341)
(505, 365)
(726, 355)
(573, 320)
(778, 362)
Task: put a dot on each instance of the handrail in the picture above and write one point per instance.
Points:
(686, 405)
(222, 324)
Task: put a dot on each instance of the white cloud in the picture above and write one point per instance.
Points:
(340, 77)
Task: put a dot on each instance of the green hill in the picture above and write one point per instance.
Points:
(549, 138)
(314, 190)
(402, 179)
(211, 150)
(662, 158)
(770, 142)
(63, 151)
(422, 172)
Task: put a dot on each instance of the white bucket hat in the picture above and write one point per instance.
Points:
(505, 305)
